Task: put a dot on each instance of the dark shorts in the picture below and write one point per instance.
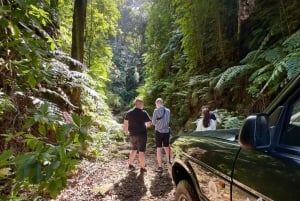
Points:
(138, 142)
(162, 139)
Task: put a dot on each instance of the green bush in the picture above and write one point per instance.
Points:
(48, 162)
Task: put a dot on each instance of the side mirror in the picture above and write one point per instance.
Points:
(255, 133)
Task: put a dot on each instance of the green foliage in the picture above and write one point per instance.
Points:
(126, 73)
(47, 164)
(35, 74)
(50, 158)
(5, 104)
(228, 120)
(208, 28)
(186, 43)
(5, 169)
(195, 50)
(268, 69)
(231, 73)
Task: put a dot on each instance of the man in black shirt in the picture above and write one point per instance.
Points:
(135, 125)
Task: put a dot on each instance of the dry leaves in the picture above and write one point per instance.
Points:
(110, 180)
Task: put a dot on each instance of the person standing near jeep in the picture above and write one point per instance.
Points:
(136, 123)
(208, 120)
(161, 120)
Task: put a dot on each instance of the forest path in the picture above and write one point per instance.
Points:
(109, 179)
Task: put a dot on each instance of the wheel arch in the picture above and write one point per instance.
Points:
(181, 171)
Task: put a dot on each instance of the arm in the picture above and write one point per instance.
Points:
(154, 118)
(148, 121)
(126, 127)
(213, 124)
(148, 124)
(169, 117)
(213, 117)
(199, 125)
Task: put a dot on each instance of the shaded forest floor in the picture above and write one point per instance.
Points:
(109, 179)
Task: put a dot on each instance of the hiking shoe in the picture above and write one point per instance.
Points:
(143, 170)
(159, 169)
(131, 167)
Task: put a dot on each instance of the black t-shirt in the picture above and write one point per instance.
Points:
(136, 121)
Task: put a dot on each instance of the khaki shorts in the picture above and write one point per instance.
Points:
(138, 142)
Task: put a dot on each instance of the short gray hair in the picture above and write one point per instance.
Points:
(159, 100)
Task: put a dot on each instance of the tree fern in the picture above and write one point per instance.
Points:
(293, 42)
(272, 56)
(198, 79)
(65, 58)
(231, 73)
(292, 64)
(261, 75)
(275, 76)
(249, 58)
(279, 64)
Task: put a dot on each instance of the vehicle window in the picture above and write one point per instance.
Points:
(291, 136)
(274, 117)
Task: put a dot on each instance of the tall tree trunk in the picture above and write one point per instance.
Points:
(77, 50)
(220, 33)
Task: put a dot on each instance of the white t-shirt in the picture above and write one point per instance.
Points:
(212, 125)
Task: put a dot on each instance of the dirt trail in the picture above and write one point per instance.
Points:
(110, 180)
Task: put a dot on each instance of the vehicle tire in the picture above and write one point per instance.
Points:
(185, 192)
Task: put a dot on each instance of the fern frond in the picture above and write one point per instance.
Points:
(75, 75)
(231, 73)
(272, 56)
(56, 94)
(262, 74)
(250, 57)
(61, 70)
(62, 56)
(87, 89)
(203, 90)
(292, 64)
(293, 42)
(198, 79)
(58, 67)
(183, 93)
(278, 71)
(52, 107)
(205, 78)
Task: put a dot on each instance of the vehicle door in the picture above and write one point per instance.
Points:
(273, 174)
(211, 161)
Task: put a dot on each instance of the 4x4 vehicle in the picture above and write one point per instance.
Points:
(260, 161)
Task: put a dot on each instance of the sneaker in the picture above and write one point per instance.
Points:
(142, 170)
(131, 167)
(159, 169)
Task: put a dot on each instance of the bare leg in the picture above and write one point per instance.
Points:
(158, 156)
(167, 151)
(132, 156)
(142, 159)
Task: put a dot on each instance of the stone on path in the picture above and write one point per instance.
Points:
(103, 189)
